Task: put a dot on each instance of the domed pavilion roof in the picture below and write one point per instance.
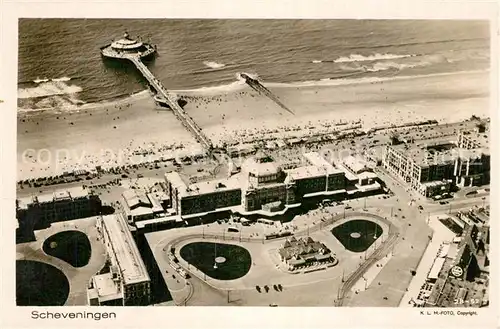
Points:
(126, 43)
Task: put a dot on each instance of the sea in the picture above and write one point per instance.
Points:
(60, 66)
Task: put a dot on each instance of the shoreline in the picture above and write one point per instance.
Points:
(134, 124)
(238, 85)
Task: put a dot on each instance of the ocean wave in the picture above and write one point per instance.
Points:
(214, 65)
(48, 88)
(350, 81)
(68, 103)
(61, 79)
(423, 43)
(346, 79)
(422, 62)
(214, 90)
(38, 80)
(375, 57)
(317, 62)
(57, 103)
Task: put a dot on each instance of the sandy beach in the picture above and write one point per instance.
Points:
(114, 133)
(446, 98)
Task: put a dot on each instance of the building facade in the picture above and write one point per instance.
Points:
(201, 197)
(298, 253)
(139, 205)
(40, 211)
(261, 187)
(127, 283)
(433, 169)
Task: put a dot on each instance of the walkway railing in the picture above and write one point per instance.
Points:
(179, 112)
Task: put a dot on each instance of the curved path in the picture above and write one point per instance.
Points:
(379, 253)
(78, 277)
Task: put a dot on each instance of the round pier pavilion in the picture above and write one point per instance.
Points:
(127, 48)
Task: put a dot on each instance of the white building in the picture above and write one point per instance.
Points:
(127, 282)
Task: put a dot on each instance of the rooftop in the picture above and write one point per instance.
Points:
(256, 168)
(205, 187)
(436, 183)
(315, 159)
(155, 202)
(481, 139)
(131, 265)
(302, 247)
(306, 172)
(355, 165)
(105, 287)
(77, 192)
(367, 175)
(424, 154)
(126, 43)
(67, 194)
(436, 268)
(134, 199)
(177, 182)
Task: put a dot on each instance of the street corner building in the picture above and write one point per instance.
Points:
(38, 212)
(263, 187)
(124, 281)
(432, 167)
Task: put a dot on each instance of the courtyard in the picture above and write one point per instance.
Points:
(220, 261)
(73, 247)
(195, 250)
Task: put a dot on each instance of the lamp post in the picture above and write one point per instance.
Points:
(215, 256)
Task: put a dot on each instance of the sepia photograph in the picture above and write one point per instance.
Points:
(341, 163)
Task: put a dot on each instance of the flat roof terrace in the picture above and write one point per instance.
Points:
(204, 187)
(425, 155)
(481, 139)
(129, 259)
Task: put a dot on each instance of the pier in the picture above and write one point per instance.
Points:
(179, 112)
(134, 51)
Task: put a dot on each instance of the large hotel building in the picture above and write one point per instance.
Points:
(263, 187)
(432, 168)
(42, 210)
(127, 282)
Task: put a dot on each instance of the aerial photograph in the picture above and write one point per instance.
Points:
(253, 162)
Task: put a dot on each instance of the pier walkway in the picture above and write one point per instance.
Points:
(179, 112)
